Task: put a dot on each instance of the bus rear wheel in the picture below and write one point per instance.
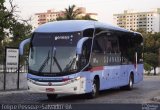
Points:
(52, 96)
(95, 89)
(130, 84)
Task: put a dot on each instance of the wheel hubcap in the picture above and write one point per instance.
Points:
(131, 83)
(94, 89)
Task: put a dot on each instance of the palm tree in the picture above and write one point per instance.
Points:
(87, 17)
(72, 13)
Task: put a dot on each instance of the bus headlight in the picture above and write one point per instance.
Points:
(75, 79)
(78, 78)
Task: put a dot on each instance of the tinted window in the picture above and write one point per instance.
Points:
(112, 44)
(56, 39)
(98, 51)
(42, 39)
(129, 45)
(105, 50)
(98, 44)
(88, 32)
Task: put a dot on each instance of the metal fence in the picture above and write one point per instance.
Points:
(13, 78)
(23, 66)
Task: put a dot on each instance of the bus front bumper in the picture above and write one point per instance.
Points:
(67, 87)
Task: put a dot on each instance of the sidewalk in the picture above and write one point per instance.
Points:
(12, 92)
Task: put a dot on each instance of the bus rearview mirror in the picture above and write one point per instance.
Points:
(80, 45)
(22, 44)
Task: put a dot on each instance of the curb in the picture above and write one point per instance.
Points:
(12, 92)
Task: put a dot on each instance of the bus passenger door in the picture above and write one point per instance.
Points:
(85, 55)
(98, 60)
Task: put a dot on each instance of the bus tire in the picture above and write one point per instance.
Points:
(52, 96)
(130, 84)
(95, 89)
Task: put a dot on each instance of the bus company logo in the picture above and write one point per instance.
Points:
(63, 37)
(49, 84)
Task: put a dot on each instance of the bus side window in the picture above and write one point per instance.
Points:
(98, 45)
(112, 45)
(115, 46)
(98, 51)
(138, 43)
(108, 46)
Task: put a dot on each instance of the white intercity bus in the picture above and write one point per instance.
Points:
(83, 57)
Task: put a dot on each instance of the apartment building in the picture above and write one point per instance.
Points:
(132, 20)
(51, 15)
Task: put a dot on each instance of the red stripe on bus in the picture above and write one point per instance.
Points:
(96, 69)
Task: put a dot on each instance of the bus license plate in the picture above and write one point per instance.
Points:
(50, 89)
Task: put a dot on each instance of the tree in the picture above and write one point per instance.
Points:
(87, 17)
(11, 26)
(151, 49)
(20, 31)
(6, 17)
(151, 59)
(147, 67)
(72, 13)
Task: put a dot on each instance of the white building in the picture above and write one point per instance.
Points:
(131, 20)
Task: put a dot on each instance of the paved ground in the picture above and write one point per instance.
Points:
(147, 91)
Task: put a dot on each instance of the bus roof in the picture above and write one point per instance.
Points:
(74, 25)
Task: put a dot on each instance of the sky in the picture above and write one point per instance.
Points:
(104, 8)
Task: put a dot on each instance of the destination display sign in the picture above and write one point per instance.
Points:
(56, 39)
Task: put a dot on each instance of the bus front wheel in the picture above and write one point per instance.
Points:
(95, 89)
(52, 96)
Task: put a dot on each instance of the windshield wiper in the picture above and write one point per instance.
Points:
(55, 60)
(59, 67)
(44, 63)
(69, 65)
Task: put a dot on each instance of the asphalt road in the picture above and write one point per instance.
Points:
(144, 92)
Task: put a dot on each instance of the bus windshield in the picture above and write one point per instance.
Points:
(52, 54)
